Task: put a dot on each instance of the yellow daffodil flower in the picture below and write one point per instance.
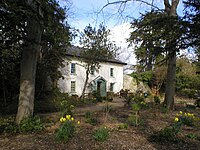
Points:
(78, 122)
(181, 112)
(72, 119)
(68, 117)
(176, 119)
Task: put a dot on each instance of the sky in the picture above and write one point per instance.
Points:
(85, 12)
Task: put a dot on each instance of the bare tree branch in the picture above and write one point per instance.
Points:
(126, 1)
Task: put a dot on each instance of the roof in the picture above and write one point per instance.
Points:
(75, 51)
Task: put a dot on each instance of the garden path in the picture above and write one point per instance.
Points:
(116, 103)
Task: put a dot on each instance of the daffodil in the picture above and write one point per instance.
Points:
(176, 119)
(181, 112)
(64, 119)
(61, 119)
(72, 119)
(68, 117)
(78, 122)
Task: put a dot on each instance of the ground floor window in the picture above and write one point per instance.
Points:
(73, 86)
(111, 87)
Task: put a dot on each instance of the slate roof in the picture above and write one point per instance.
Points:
(75, 51)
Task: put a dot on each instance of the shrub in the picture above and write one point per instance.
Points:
(138, 99)
(164, 135)
(107, 108)
(67, 128)
(193, 136)
(31, 124)
(101, 134)
(110, 96)
(156, 99)
(66, 131)
(163, 109)
(8, 125)
(168, 134)
(88, 114)
(90, 118)
(188, 119)
(123, 126)
(135, 120)
(92, 121)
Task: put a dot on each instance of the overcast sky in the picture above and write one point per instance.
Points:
(85, 12)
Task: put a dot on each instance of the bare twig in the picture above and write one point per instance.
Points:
(126, 1)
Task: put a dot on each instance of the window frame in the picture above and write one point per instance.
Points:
(73, 86)
(92, 71)
(112, 87)
(111, 72)
(73, 68)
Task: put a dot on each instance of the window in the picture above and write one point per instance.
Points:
(73, 86)
(111, 87)
(92, 70)
(111, 72)
(73, 68)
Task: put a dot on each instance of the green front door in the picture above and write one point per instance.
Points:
(101, 87)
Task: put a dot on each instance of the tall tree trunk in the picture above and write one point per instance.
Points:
(86, 81)
(28, 63)
(171, 70)
(171, 81)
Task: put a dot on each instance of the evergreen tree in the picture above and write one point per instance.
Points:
(96, 48)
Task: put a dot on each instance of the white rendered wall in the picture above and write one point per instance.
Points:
(64, 84)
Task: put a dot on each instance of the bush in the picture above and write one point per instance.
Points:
(188, 119)
(188, 93)
(92, 121)
(135, 120)
(90, 118)
(101, 134)
(110, 96)
(164, 135)
(193, 136)
(31, 124)
(123, 126)
(156, 99)
(28, 125)
(138, 99)
(8, 125)
(66, 129)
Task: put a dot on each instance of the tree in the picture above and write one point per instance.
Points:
(192, 16)
(171, 42)
(34, 19)
(147, 38)
(30, 55)
(96, 48)
(11, 33)
(55, 40)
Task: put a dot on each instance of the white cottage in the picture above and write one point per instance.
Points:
(108, 78)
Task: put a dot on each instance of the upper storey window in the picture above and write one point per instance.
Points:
(73, 68)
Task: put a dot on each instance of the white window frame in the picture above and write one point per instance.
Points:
(73, 86)
(112, 72)
(73, 68)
